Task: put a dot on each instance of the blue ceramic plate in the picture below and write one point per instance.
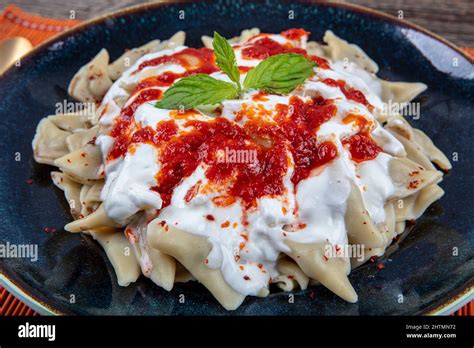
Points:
(421, 265)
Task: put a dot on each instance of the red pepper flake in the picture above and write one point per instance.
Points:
(380, 266)
(373, 258)
(241, 267)
(83, 154)
(192, 192)
(129, 233)
(206, 261)
(68, 160)
(325, 258)
(29, 181)
(291, 277)
(246, 277)
(413, 184)
(225, 224)
(49, 229)
(92, 141)
(210, 217)
(413, 173)
(223, 201)
(260, 266)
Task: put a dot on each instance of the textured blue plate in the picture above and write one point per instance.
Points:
(421, 266)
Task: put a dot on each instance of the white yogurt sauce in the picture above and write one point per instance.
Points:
(247, 255)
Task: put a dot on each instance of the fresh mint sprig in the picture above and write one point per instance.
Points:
(225, 58)
(278, 74)
(196, 90)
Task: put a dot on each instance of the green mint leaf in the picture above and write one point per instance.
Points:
(196, 90)
(280, 74)
(225, 58)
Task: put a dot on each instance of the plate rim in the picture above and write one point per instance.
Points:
(159, 3)
(464, 295)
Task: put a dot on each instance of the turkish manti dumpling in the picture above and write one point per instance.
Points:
(285, 189)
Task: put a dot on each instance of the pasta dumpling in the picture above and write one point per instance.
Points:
(272, 185)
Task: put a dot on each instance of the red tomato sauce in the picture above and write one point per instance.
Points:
(194, 60)
(265, 47)
(266, 145)
(207, 141)
(300, 121)
(268, 142)
(124, 122)
(295, 33)
(362, 147)
(349, 93)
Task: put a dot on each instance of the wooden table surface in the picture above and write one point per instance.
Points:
(452, 19)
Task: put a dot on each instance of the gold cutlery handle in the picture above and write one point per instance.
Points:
(11, 50)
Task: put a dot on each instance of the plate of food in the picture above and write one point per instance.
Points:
(239, 158)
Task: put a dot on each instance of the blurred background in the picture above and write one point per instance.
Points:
(451, 19)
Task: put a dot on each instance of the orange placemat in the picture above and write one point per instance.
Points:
(16, 22)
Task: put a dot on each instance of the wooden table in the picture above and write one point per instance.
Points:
(451, 19)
